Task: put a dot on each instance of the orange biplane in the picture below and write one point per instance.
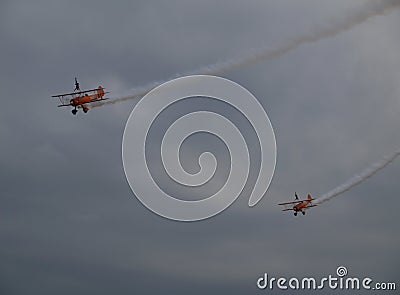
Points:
(299, 205)
(80, 99)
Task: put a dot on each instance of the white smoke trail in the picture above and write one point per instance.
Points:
(357, 179)
(371, 9)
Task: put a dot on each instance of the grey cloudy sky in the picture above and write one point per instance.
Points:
(69, 223)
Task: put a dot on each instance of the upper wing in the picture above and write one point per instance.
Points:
(74, 93)
(294, 202)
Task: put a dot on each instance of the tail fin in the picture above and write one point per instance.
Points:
(100, 92)
(309, 197)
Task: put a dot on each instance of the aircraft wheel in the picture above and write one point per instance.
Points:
(304, 213)
(295, 213)
(74, 112)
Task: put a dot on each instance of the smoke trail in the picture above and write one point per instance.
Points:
(357, 179)
(373, 8)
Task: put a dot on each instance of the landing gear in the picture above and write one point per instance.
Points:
(295, 213)
(74, 111)
(302, 212)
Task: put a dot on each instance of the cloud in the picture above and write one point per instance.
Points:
(73, 224)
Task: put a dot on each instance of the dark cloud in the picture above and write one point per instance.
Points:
(68, 220)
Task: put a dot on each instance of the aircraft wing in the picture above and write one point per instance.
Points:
(70, 104)
(99, 99)
(74, 93)
(294, 202)
(65, 105)
(291, 209)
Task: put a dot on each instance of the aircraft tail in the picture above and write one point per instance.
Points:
(309, 197)
(100, 92)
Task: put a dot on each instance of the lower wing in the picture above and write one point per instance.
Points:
(99, 99)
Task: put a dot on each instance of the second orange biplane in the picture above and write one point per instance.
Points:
(299, 205)
(80, 99)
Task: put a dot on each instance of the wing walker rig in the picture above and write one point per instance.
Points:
(80, 99)
(298, 205)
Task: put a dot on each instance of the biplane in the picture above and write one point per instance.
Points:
(80, 99)
(298, 205)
